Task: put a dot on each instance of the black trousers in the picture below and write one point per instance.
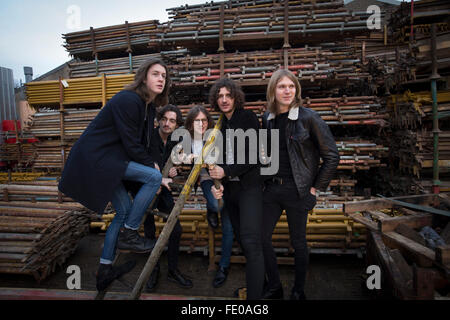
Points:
(165, 204)
(244, 206)
(276, 199)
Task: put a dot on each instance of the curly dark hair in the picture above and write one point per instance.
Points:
(235, 90)
(170, 107)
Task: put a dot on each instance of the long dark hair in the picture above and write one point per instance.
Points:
(235, 90)
(140, 87)
(192, 114)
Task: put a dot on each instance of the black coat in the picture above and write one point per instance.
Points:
(120, 133)
(248, 173)
(308, 139)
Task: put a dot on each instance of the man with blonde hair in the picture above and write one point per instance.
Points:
(304, 138)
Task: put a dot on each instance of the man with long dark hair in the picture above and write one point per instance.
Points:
(113, 148)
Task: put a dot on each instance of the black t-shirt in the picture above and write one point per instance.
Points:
(280, 123)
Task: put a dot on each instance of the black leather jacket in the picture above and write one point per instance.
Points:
(308, 139)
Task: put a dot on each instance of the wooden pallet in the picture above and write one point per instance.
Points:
(411, 269)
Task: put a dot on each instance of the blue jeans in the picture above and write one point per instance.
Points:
(128, 213)
(227, 229)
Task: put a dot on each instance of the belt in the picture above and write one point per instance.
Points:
(280, 181)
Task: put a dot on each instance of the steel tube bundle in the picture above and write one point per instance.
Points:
(37, 236)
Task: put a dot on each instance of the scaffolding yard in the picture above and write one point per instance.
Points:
(384, 94)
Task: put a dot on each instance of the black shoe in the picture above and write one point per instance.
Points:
(153, 281)
(181, 280)
(130, 241)
(107, 273)
(213, 219)
(276, 293)
(221, 277)
(297, 295)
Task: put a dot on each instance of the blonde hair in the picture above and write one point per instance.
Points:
(272, 86)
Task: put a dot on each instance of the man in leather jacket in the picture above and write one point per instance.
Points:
(304, 138)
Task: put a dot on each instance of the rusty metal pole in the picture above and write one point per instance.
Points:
(286, 44)
(434, 77)
(221, 49)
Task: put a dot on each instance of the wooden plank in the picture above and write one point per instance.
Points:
(423, 284)
(380, 215)
(424, 256)
(405, 269)
(364, 205)
(445, 234)
(380, 203)
(410, 233)
(443, 255)
(363, 220)
(416, 221)
(390, 268)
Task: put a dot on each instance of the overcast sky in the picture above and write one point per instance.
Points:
(30, 30)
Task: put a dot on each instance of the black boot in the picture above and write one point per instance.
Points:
(213, 218)
(181, 280)
(153, 281)
(221, 277)
(107, 273)
(130, 240)
(275, 293)
(295, 295)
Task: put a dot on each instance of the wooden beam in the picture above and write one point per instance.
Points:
(410, 233)
(363, 220)
(380, 203)
(416, 221)
(443, 255)
(394, 274)
(423, 255)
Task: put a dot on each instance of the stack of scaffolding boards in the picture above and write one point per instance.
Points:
(56, 140)
(318, 63)
(110, 40)
(417, 30)
(257, 24)
(38, 233)
(121, 65)
(412, 138)
(327, 227)
(425, 12)
(344, 110)
(22, 154)
(87, 91)
(256, 67)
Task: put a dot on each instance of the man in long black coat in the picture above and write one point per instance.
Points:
(113, 148)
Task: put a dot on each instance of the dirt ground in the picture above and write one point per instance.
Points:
(330, 276)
